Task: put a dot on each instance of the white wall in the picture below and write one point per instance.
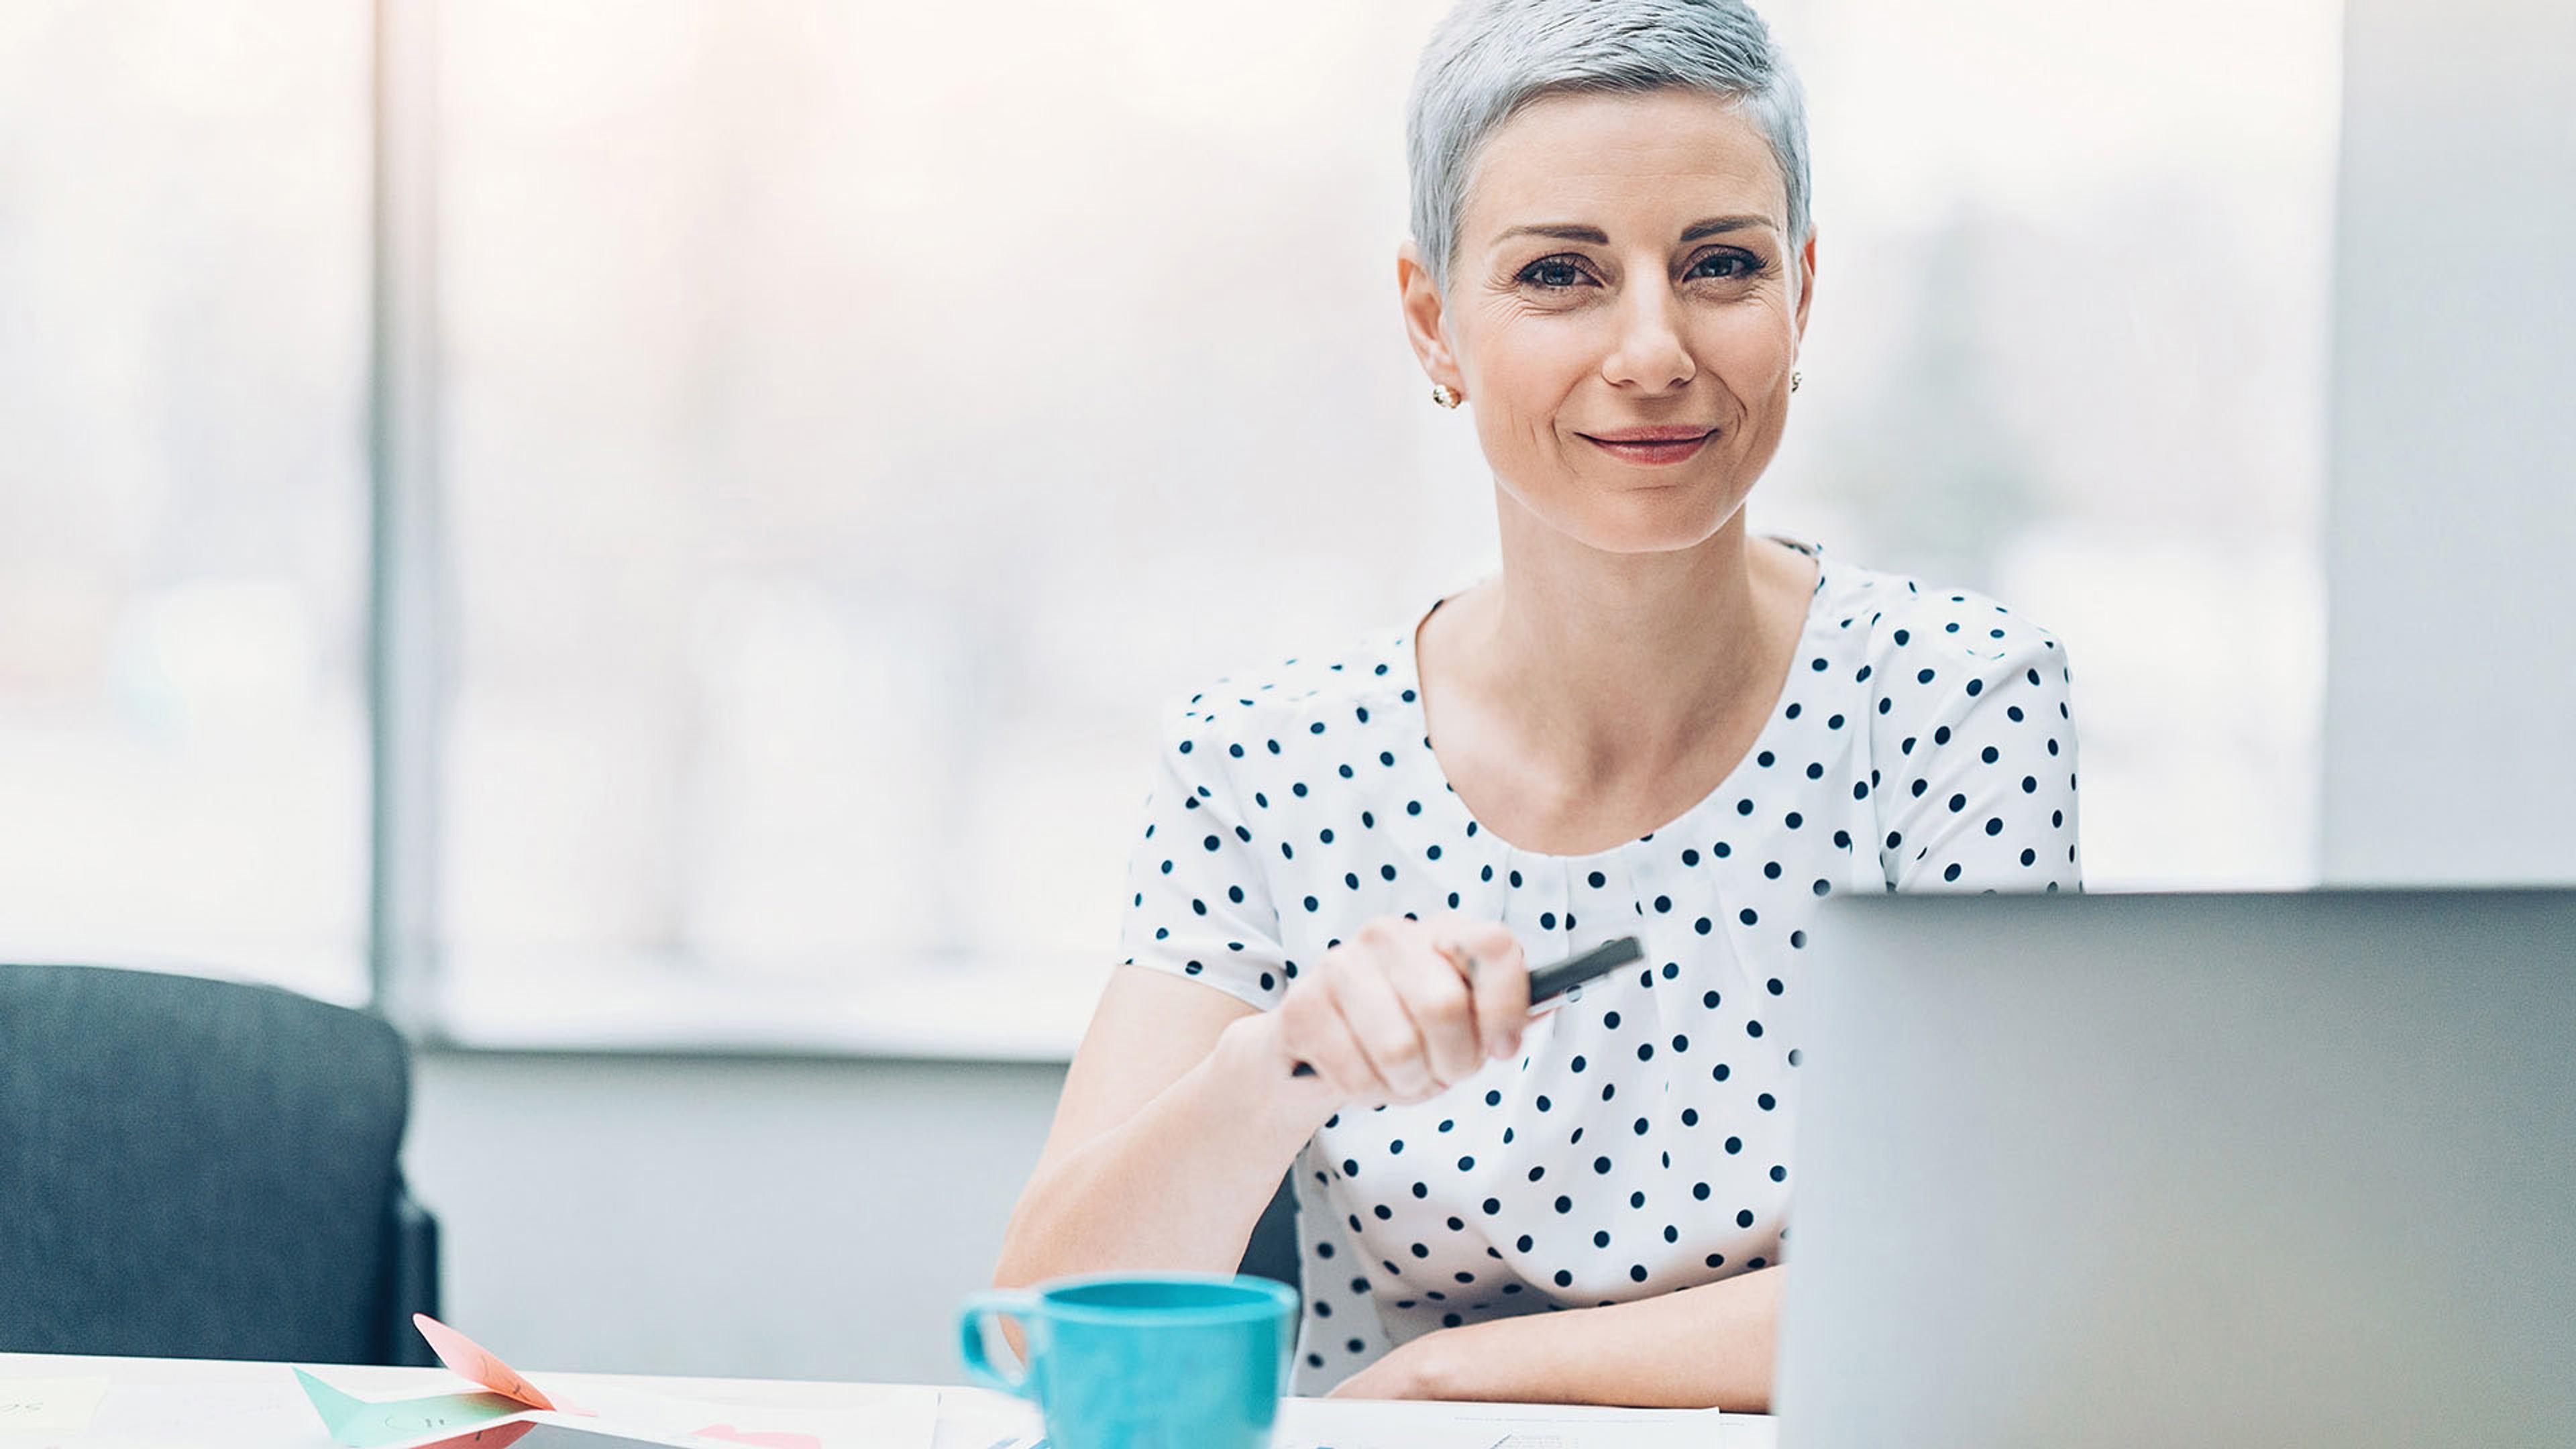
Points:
(2450, 729)
(737, 1216)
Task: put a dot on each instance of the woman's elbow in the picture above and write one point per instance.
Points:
(1020, 1261)
(1033, 1241)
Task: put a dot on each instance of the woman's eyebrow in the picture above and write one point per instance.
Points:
(1718, 225)
(1569, 231)
(1561, 231)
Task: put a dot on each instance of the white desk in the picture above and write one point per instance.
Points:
(260, 1404)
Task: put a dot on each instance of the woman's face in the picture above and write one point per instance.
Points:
(1623, 267)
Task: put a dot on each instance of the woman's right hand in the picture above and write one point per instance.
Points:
(1403, 1011)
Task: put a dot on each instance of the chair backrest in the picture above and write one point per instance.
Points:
(1272, 1252)
(197, 1169)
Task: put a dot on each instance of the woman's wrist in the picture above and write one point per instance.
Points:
(1249, 1068)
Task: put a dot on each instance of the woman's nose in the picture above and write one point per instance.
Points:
(1649, 353)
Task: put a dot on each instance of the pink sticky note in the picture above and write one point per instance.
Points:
(471, 1360)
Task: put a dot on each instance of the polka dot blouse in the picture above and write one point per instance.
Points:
(1640, 1142)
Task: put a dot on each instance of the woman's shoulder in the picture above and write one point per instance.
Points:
(1888, 618)
(1973, 744)
(1930, 660)
(1267, 707)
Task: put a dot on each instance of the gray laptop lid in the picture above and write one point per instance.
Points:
(2215, 1169)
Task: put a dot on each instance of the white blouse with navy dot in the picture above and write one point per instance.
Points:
(1640, 1142)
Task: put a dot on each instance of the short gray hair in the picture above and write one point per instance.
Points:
(1489, 58)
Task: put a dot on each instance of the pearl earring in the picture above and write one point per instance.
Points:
(1445, 395)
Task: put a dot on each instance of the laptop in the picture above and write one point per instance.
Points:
(2225, 1170)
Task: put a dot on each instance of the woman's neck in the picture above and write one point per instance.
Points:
(1613, 675)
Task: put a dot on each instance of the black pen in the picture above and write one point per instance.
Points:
(1559, 977)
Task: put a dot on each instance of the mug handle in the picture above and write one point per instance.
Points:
(971, 1330)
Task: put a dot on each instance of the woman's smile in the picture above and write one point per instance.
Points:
(1651, 447)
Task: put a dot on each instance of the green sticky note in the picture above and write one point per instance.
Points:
(360, 1425)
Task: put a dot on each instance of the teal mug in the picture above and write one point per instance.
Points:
(1151, 1361)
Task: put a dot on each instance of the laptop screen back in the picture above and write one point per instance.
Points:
(2206, 1169)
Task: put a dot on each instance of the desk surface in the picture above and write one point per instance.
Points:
(259, 1395)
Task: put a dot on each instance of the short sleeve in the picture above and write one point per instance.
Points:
(1975, 727)
(1197, 903)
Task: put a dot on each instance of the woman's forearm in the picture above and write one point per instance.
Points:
(1703, 1347)
(1175, 1188)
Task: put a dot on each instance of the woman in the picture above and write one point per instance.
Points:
(1652, 721)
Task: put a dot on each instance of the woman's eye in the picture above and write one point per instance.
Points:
(1724, 266)
(1552, 273)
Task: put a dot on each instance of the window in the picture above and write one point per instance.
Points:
(852, 444)
(856, 420)
(2070, 347)
(183, 251)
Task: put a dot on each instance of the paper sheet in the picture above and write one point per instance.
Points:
(909, 1420)
(267, 1412)
(1413, 1424)
(49, 1406)
(1417, 1424)
(515, 1414)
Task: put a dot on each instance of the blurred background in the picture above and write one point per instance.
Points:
(837, 427)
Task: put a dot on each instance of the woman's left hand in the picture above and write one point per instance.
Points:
(1412, 1370)
(1692, 1348)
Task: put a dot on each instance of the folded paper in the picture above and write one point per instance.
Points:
(513, 1411)
(362, 1425)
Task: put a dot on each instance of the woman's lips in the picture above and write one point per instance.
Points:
(1651, 451)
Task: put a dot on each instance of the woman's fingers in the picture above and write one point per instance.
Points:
(1405, 1009)
(1314, 1031)
(1500, 977)
(1437, 992)
(1379, 1020)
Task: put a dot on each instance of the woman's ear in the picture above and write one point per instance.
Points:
(1806, 280)
(1425, 318)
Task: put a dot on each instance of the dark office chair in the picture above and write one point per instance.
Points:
(204, 1169)
(1272, 1252)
